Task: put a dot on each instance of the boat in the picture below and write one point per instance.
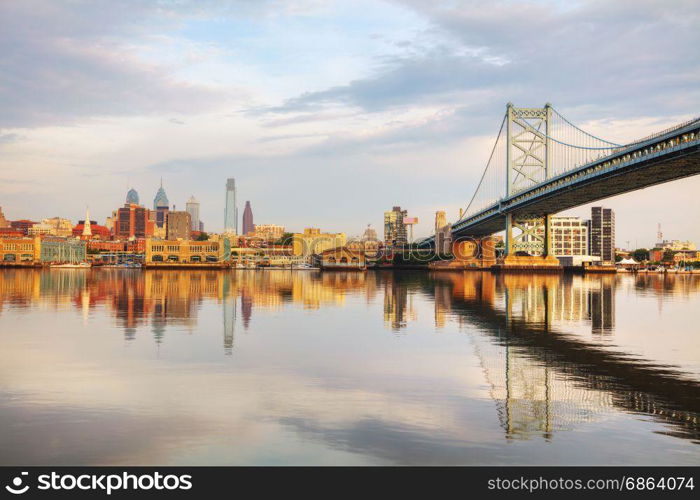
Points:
(305, 267)
(71, 265)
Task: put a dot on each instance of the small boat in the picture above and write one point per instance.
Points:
(70, 265)
(305, 267)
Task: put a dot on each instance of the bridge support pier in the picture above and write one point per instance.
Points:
(528, 245)
(470, 253)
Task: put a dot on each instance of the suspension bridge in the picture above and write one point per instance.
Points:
(542, 164)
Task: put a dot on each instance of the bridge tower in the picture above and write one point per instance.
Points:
(527, 164)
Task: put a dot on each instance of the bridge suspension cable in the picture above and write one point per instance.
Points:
(568, 147)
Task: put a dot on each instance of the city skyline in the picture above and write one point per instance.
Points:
(380, 101)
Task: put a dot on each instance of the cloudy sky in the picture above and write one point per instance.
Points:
(327, 112)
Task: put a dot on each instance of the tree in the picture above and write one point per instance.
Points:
(202, 236)
(641, 254)
(286, 239)
(668, 256)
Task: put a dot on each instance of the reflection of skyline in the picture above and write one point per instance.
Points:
(542, 379)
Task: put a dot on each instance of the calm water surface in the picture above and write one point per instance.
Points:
(279, 367)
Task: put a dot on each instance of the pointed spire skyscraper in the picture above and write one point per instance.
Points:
(248, 226)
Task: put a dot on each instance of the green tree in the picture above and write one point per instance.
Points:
(202, 236)
(641, 254)
(286, 239)
(668, 256)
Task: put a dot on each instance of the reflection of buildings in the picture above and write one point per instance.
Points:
(544, 380)
(398, 303)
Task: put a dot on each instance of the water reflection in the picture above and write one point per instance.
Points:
(551, 357)
(545, 380)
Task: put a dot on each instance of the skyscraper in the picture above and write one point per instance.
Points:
(602, 234)
(443, 233)
(248, 226)
(394, 228)
(179, 224)
(231, 214)
(132, 197)
(161, 205)
(192, 208)
(569, 236)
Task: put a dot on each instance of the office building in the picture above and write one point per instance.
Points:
(132, 197)
(443, 233)
(394, 227)
(231, 213)
(569, 236)
(192, 208)
(161, 206)
(54, 226)
(179, 225)
(269, 232)
(602, 234)
(248, 225)
(313, 242)
(22, 226)
(131, 221)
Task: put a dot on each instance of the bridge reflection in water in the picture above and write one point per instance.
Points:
(544, 374)
(544, 379)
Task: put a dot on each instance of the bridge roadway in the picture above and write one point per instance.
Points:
(668, 156)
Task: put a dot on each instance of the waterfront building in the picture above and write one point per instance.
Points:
(231, 214)
(161, 207)
(270, 232)
(394, 228)
(248, 225)
(178, 225)
(343, 258)
(312, 241)
(187, 251)
(192, 208)
(14, 250)
(62, 250)
(54, 226)
(569, 236)
(132, 221)
(602, 234)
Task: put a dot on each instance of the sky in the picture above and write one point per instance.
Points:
(327, 112)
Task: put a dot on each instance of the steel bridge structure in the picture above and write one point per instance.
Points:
(542, 164)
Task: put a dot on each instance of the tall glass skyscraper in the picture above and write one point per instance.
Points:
(231, 214)
(192, 208)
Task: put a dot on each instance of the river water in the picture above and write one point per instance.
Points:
(116, 367)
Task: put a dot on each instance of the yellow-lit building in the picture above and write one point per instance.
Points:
(168, 252)
(55, 226)
(17, 250)
(269, 231)
(343, 258)
(312, 242)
